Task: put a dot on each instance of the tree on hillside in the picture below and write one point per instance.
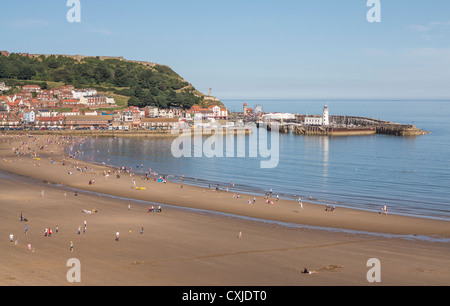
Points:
(25, 73)
(120, 77)
(156, 86)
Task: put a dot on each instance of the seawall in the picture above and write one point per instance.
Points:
(138, 133)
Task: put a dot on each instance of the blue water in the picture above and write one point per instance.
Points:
(411, 175)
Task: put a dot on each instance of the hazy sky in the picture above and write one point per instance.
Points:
(255, 49)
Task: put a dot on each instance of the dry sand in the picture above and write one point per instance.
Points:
(187, 247)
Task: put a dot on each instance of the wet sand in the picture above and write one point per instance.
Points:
(186, 247)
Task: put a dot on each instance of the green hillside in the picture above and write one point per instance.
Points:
(140, 83)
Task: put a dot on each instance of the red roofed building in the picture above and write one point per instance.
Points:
(34, 103)
(3, 99)
(31, 88)
(46, 122)
(10, 120)
(219, 113)
(212, 112)
(131, 114)
(198, 113)
(82, 121)
(96, 101)
(22, 95)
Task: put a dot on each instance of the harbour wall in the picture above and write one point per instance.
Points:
(347, 126)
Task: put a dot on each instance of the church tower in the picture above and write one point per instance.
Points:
(245, 109)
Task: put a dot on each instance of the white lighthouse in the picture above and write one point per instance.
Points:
(325, 116)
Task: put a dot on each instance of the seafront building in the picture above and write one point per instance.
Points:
(212, 112)
(29, 116)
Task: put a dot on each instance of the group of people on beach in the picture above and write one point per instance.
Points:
(47, 232)
(153, 209)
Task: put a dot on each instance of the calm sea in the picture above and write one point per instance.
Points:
(411, 175)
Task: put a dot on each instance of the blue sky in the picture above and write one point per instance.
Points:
(256, 49)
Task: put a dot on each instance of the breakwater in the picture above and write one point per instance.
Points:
(345, 126)
(333, 131)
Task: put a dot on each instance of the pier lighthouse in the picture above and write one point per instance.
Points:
(325, 116)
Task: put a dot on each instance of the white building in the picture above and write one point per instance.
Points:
(29, 116)
(150, 112)
(91, 113)
(219, 113)
(319, 120)
(110, 100)
(3, 87)
(80, 93)
(165, 113)
(316, 120)
(74, 112)
(279, 116)
(46, 113)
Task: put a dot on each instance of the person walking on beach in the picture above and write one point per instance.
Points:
(71, 246)
(79, 230)
(117, 236)
(26, 229)
(240, 235)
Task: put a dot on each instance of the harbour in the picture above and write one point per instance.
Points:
(336, 125)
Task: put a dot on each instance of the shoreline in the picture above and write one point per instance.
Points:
(411, 237)
(200, 238)
(252, 191)
(135, 133)
(196, 197)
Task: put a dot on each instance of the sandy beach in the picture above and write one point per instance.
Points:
(191, 247)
